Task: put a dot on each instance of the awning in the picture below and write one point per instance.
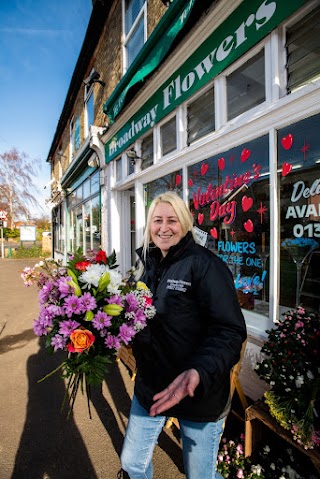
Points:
(151, 55)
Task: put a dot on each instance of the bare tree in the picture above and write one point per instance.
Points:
(17, 187)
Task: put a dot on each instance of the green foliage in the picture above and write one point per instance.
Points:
(9, 233)
(33, 252)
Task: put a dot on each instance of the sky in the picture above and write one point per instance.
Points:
(40, 42)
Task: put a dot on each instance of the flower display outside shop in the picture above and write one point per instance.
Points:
(291, 366)
(88, 310)
(268, 464)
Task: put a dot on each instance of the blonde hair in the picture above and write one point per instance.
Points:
(182, 211)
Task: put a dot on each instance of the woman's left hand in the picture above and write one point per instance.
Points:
(184, 385)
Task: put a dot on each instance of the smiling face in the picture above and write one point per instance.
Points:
(165, 227)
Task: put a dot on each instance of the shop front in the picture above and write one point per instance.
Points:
(233, 130)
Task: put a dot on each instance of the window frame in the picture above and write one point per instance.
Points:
(142, 15)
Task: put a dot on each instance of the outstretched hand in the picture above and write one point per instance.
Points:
(184, 385)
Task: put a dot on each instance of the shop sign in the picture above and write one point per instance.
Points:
(245, 27)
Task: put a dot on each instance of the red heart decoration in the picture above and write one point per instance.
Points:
(286, 168)
(190, 182)
(178, 179)
(248, 226)
(204, 168)
(200, 218)
(214, 233)
(246, 203)
(287, 141)
(245, 154)
(221, 164)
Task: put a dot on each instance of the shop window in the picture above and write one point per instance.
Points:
(58, 227)
(95, 182)
(303, 51)
(168, 136)
(147, 151)
(89, 110)
(200, 116)
(246, 86)
(172, 181)
(134, 29)
(229, 198)
(299, 192)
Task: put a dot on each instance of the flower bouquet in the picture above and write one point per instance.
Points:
(292, 368)
(88, 310)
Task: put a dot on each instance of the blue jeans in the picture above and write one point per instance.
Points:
(200, 444)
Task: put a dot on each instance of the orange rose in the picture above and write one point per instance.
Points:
(81, 340)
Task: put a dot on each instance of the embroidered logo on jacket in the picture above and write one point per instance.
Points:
(178, 285)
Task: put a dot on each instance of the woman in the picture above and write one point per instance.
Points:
(185, 354)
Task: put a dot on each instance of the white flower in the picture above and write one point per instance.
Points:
(266, 449)
(92, 275)
(310, 374)
(115, 282)
(299, 381)
(256, 469)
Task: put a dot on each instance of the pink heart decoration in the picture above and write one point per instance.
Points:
(178, 180)
(245, 154)
(286, 168)
(248, 226)
(200, 218)
(204, 168)
(287, 142)
(214, 233)
(221, 164)
(246, 203)
(190, 182)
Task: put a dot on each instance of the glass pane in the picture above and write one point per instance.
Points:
(87, 226)
(119, 169)
(135, 43)
(86, 189)
(147, 151)
(95, 223)
(201, 116)
(172, 181)
(168, 133)
(95, 182)
(133, 230)
(132, 10)
(79, 228)
(229, 198)
(90, 111)
(246, 86)
(299, 192)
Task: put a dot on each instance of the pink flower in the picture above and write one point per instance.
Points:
(240, 474)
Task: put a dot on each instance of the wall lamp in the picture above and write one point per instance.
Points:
(133, 156)
(93, 78)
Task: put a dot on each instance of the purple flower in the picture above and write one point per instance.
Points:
(101, 320)
(64, 287)
(72, 305)
(46, 316)
(39, 328)
(116, 299)
(132, 301)
(140, 317)
(88, 302)
(45, 291)
(126, 333)
(58, 342)
(67, 326)
(112, 342)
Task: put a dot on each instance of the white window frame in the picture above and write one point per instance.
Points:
(72, 138)
(88, 94)
(127, 37)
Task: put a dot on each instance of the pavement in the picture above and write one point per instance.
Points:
(36, 440)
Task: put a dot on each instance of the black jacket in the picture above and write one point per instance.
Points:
(198, 324)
